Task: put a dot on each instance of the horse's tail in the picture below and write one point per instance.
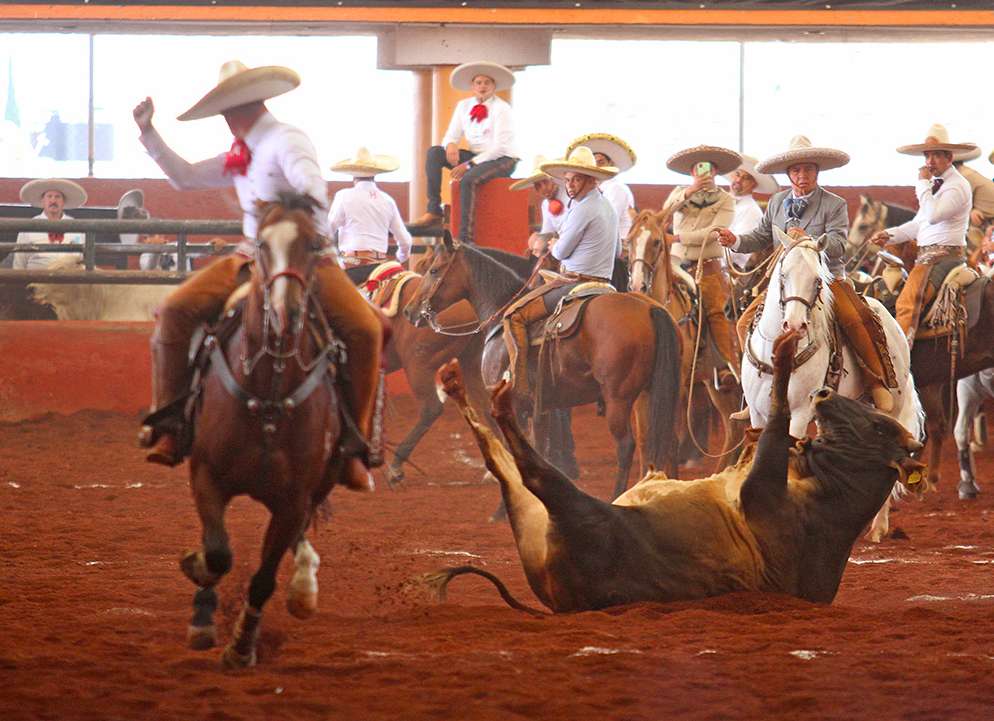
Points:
(664, 390)
(438, 581)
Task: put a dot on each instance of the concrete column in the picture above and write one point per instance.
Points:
(423, 140)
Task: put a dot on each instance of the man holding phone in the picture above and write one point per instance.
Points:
(699, 210)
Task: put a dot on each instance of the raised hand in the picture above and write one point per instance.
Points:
(143, 113)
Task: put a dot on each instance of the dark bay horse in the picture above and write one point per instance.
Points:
(267, 426)
(626, 350)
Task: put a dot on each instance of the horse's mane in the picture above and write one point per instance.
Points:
(493, 279)
(290, 201)
(520, 264)
(820, 267)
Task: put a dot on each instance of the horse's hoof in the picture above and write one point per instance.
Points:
(231, 659)
(194, 566)
(968, 490)
(302, 605)
(201, 638)
(395, 477)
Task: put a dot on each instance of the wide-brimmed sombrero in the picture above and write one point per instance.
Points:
(723, 159)
(238, 85)
(802, 151)
(33, 190)
(617, 150)
(536, 175)
(364, 164)
(462, 76)
(965, 156)
(937, 138)
(132, 205)
(582, 161)
(765, 184)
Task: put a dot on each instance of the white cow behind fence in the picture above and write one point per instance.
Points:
(85, 301)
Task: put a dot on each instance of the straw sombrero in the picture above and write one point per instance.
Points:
(620, 153)
(132, 205)
(801, 151)
(365, 164)
(462, 76)
(965, 156)
(581, 160)
(238, 85)
(765, 184)
(937, 138)
(723, 159)
(536, 175)
(33, 190)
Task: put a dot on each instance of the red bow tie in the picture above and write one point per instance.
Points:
(478, 113)
(555, 206)
(237, 160)
(56, 237)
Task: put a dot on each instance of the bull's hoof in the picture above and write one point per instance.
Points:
(395, 477)
(968, 490)
(232, 660)
(194, 566)
(201, 638)
(302, 605)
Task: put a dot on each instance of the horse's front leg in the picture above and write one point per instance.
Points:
(933, 402)
(302, 593)
(206, 566)
(285, 526)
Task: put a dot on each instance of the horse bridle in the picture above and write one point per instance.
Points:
(809, 304)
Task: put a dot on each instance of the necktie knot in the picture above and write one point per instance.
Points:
(237, 160)
(795, 207)
(936, 184)
(478, 113)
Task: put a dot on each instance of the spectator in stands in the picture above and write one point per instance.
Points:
(54, 196)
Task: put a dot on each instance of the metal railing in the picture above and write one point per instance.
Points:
(90, 247)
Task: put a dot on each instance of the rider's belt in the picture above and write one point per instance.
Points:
(933, 253)
(583, 277)
(365, 254)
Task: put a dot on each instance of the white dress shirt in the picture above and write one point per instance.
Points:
(943, 218)
(40, 261)
(489, 139)
(621, 199)
(747, 217)
(587, 242)
(283, 159)
(552, 223)
(363, 215)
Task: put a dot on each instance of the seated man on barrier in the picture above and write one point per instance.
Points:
(53, 196)
(267, 158)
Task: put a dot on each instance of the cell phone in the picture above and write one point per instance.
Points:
(702, 169)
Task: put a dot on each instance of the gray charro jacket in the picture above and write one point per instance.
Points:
(826, 214)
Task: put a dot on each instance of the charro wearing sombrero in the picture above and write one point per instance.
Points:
(53, 196)
(553, 208)
(982, 190)
(744, 181)
(939, 227)
(485, 121)
(267, 158)
(808, 210)
(699, 209)
(610, 151)
(586, 248)
(364, 216)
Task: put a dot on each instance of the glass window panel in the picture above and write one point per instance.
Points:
(343, 100)
(45, 92)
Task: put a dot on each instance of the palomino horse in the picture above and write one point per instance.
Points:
(799, 298)
(650, 272)
(626, 349)
(267, 425)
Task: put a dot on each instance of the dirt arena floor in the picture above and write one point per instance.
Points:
(94, 608)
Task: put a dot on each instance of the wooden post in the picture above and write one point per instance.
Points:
(423, 139)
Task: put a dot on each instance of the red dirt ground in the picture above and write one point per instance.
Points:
(94, 608)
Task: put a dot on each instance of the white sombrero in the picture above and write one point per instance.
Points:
(132, 205)
(617, 150)
(33, 190)
(462, 76)
(238, 85)
(765, 184)
(801, 151)
(723, 159)
(937, 138)
(965, 156)
(536, 175)
(582, 161)
(365, 164)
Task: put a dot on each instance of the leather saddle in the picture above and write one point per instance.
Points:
(957, 300)
(564, 321)
(383, 286)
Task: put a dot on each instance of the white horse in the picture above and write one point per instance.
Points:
(971, 392)
(799, 298)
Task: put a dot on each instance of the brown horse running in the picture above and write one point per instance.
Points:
(650, 272)
(267, 426)
(626, 350)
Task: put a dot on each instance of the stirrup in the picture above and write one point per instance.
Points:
(740, 415)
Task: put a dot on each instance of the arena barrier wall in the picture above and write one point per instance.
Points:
(69, 366)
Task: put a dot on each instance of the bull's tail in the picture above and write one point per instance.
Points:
(664, 391)
(438, 581)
